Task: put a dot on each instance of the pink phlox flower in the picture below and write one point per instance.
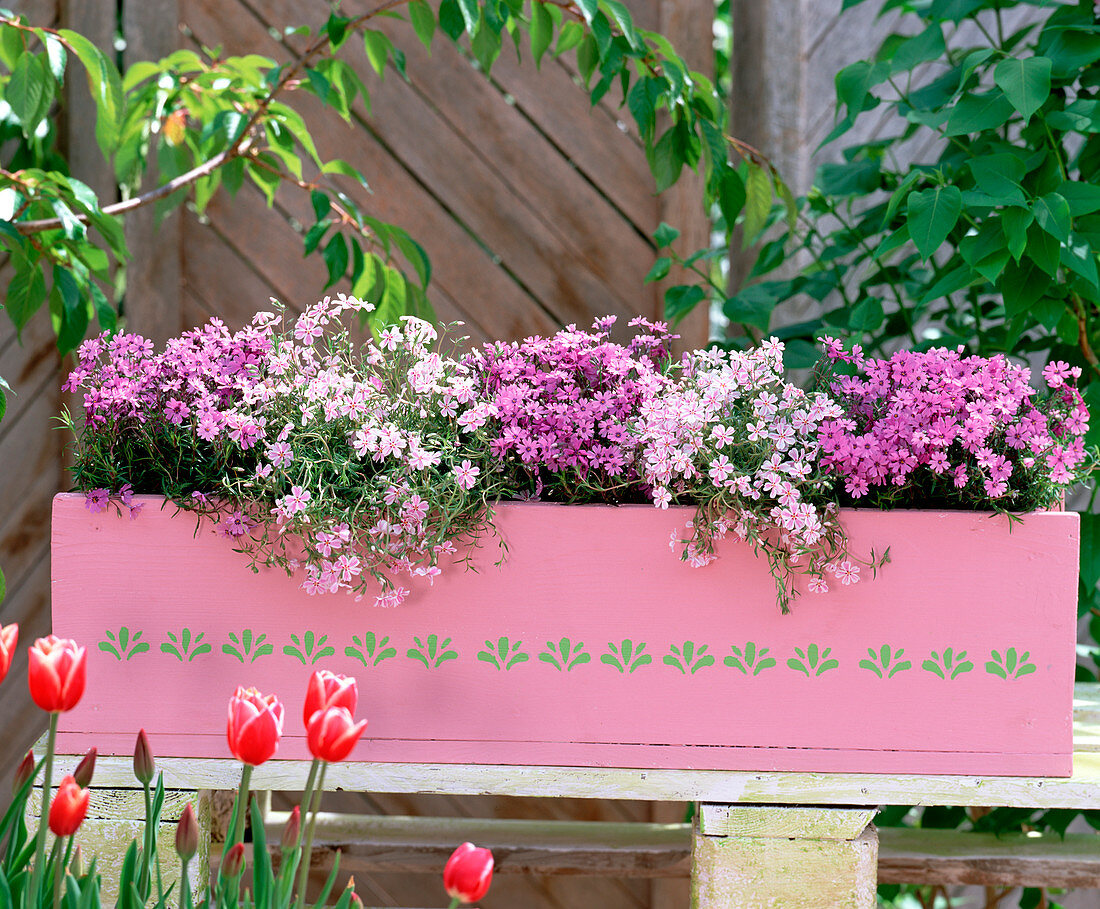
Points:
(296, 501)
(96, 500)
(847, 573)
(466, 474)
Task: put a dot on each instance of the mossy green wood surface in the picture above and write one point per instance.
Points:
(117, 816)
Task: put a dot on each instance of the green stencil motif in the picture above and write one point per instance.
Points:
(626, 657)
(370, 652)
(751, 659)
(812, 661)
(688, 658)
(504, 654)
(1012, 666)
(432, 654)
(124, 646)
(949, 666)
(309, 649)
(179, 646)
(886, 663)
(243, 646)
(564, 655)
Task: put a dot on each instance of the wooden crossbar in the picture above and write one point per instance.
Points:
(370, 843)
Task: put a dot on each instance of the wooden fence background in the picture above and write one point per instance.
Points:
(535, 210)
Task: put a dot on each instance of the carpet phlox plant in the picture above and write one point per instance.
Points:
(359, 465)
(731, 437)
(942, 429)
(365, 465)
(564, 408)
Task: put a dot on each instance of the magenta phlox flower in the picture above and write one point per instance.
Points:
(95, 500)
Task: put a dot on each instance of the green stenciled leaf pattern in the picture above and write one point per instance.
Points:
(124, 645)
(1012, 665)
(432, 652)
(688, 658)
(750, 659)
(309, 648)
(180, 646)
(885, 662)
(369, 651)
(949, 665)
(627, 656)
(565, 655)
(813, 661)
(504, 654)
(247, 644)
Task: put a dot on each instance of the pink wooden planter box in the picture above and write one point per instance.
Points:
(593, 645)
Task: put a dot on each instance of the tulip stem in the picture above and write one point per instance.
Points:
(307, 848)
(43, 814)
(185, 885)
(242, 806)
(307, 796)
(59, 869)
(454, 902)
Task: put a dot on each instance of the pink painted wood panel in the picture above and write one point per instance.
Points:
(598, 577)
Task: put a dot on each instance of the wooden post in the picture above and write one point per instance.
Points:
(759, 856)
(116, 817)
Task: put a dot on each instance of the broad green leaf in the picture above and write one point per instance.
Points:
(976, 113)
(542, 31)
(900, 193)
(922, 48)
(1090, 550)
(866, 316)
(74, 310)
(665, 235)
(30, 91)
(665, 161)
(753, 305)
(1015, 221)
(26, 293)
(1083, 198)
(378, 46)
(1026, 82)
(932, 214)
(1022, 285)
(680, 300)
(335, 255)
(423, 22)
(1053, 214)
(758, 202)
(470, 15)
(451, 19)
(731, 197)
(850, 178)
(1043, 249)
(622, 18)
(105, 85)
(999, 175)
(659, 271)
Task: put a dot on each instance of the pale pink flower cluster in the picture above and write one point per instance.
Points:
(732, 437)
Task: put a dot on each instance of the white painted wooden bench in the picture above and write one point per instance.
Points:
(758, 839)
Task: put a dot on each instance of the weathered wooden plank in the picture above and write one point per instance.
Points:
(496, 215)
(783, 821)
(1077, 791)
(494, 304)
(518, 154)
(154, 273)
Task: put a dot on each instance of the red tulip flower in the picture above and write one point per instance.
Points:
(255, 724)
(332, 733)
(69, 807)
(468, 873)
(56, 674)
(326, 689)
(9, 635)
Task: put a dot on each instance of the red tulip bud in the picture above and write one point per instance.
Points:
(468, 873)
(255, 725)
(145, 767)
(233, 861)
(355, 901)
(69, 807)
(56, 673)
(23, 772)
(85, 769)
(187, 835)
(292, 829)
(9, 636)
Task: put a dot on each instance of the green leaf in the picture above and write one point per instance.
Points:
(74, 322)
(752, 306)
(378, 47)
(999, 175)
(932, 214)
(105, 86)
(922, 48)
(335, 255)
(26, 293)
(866, 316)
(976, 113)
(423, 22)
(542, 31)
(621, 15)
(659, 271)
(665, 235)
(1053, 214)
(1022, 285)
(1083, 198)
(1026, 82)
(681, 300)
(758, 202)
(470, 15)
(1015, 222)
(30, 91)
